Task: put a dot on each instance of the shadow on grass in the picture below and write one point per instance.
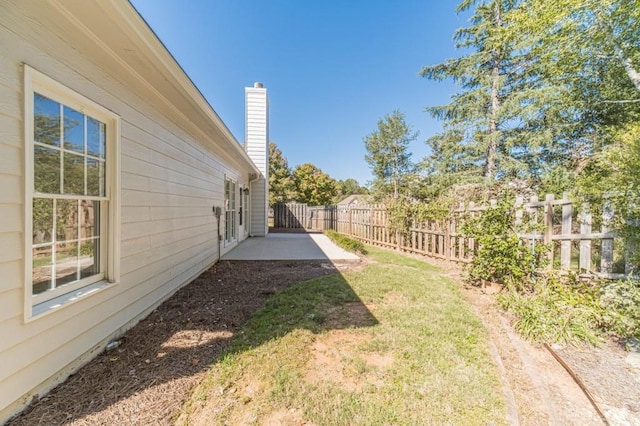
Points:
(148, 376)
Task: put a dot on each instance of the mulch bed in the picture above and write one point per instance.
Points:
(148, 375)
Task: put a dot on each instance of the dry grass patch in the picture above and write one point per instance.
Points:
(393, 343)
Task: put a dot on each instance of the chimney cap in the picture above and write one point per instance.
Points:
(258, 85)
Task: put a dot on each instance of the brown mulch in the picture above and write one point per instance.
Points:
(147, 377)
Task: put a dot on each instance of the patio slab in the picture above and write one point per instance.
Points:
(290, 247)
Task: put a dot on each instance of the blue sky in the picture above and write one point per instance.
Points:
(332, 68)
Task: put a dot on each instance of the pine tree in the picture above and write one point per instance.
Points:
(492, 126)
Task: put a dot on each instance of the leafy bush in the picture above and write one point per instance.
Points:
(566, 312)
(402, 212)
(347, 243)
(572, 311)
(621, 303)
(501, 256)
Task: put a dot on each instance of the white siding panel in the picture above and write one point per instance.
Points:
(135, 214)
(10, 102)
(158, 199)
(132, 246)
(170, 179)
(11, 130)
(10, 218)
(12, 187)
(11, 304)
(162, 173)
(9, 269)
(11, 160)
(11, 247)
(178, 150)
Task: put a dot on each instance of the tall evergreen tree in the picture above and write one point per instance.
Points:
(388, 155)
(492, 126)
(591, 50)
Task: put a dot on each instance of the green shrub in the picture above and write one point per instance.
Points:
(621, 303)
(567, 312)
(572, 311)
(501, 256)
(347, 243)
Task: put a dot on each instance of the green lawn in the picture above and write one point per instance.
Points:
(392, 343)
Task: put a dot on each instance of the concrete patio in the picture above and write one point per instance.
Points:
(290, 247)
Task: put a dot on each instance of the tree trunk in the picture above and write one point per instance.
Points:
(631, 71)
(492, 147)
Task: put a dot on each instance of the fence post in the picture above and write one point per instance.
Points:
(585, 244)
(606, 260)
(548, 225)
(350, 222)
(370, 225)
(565, 244)
(447, 238)
(472, 241)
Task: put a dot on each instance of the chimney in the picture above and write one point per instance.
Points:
(257, 147)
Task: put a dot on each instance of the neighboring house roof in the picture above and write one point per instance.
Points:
(121, 43)
(352, 199)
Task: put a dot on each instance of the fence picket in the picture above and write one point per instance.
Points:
(442, 238)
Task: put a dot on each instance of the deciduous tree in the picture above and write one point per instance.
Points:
(387, 152)
(313, 186)
(281, 185)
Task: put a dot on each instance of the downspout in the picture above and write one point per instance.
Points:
(217, 212)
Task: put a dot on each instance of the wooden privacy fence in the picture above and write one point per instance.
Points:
(297, 216)
(579, 237)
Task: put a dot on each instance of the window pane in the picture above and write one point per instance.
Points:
(89, 258)
(73, 130)
(73, 174)
(66, 263)
(95, 177)
(42, 221)
(46, 120)
(66, 220)
(96, 141)
(89, 219)
(41, 274)
(233, 196)
(46, 170)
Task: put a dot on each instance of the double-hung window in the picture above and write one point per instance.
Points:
(71, 193)
(230, 210)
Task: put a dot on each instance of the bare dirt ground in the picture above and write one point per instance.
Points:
(149, 375)
(538, 389)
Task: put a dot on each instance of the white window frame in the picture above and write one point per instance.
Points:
(230, 210)
(39, 305)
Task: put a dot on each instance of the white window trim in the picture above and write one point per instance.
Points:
(235, 226)
(35, 81)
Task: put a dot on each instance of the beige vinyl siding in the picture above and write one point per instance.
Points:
(257, 147)
(257, 129)
(11, 199)
(171, 176)
(258, 212)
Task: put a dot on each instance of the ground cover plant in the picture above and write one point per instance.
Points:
(568, 310)
(391, 343)
(549, 307)
(347, 243)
